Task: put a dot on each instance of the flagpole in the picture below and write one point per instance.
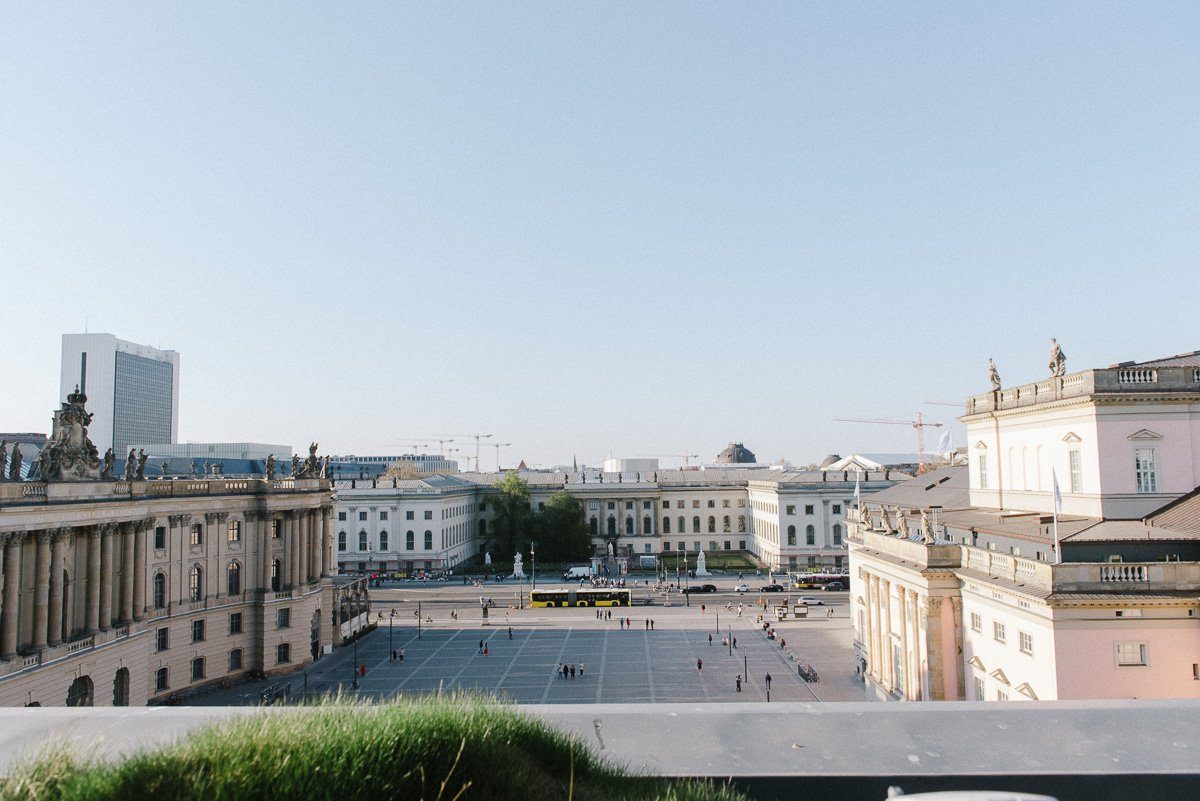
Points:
(1057, 550)
(1057, 504)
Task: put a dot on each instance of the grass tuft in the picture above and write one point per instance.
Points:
(458, 749)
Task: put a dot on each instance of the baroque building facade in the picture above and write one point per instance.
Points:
(1062, 563)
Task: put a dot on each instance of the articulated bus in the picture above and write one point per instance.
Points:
(581, 597)
(818, 581)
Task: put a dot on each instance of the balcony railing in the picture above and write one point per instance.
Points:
(26, 492)
(1087, 382)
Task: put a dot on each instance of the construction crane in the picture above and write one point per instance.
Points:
(477, 438)
(498, 446)
(919, 424)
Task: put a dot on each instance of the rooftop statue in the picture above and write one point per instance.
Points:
(885, 524)
(69, 455)
(131, 465)
(1058, 361)
(110, 461)
(993, 375)
(295, 466)
(927, 529)
(3, 457)
(270, 466)
(864, 515)
(901, 523)
(14, 469)
(141, 465)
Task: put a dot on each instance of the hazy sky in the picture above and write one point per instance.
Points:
(648, 228)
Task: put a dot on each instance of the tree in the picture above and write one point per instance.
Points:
(512, 520)
(562, 531)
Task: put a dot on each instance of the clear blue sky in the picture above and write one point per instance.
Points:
(637, 227)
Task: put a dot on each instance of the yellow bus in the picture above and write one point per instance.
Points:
(581, 597)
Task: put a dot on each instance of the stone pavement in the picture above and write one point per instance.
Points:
(620, 666)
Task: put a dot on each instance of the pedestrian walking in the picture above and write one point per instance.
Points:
(560, 669)
(393, 656)
(581, 669)
(402, 656)
(702, 609)
(647, 624)
(652, 624)
(700, 665)
(738, 682)
(710, 640)
(735, 642)
(485, 650)
(628, 622)
(510, 632)
(572, 671)
(621, 623)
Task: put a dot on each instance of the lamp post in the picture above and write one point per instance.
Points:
(729, 637)
(391, 625)
(687, 584)
(533, 563)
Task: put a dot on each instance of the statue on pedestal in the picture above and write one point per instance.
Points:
(14, 469)
(518, 566)
(3, 457)
(141, 465)
(295, 466)
(885, 523)
(927, 529)
(993, 376)
(487, 558)
(270, 466)
(69, 455)
(864, 518)
(311, 468)
(110, 461)
(130, 465)
(701, 569)
(164, 468)
(1058, 360)
(901, 523)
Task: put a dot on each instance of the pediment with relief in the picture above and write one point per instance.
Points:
(1071, 437)
(1145, 433)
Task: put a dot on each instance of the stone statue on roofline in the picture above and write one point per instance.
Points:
(885, 524)
(130, 464)
(14, 469)
(864, 518)
(270, 466)
(3, 457)
(295, 466)
(141, 464)
(901, 523)
(993, 376)
(1058, 360)
(106, 467)
(927, 529)
(69, 455)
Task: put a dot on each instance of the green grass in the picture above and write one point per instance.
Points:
(451, 750)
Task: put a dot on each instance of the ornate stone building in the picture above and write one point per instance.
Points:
(129, 592)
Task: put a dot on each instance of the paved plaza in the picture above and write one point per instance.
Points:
(619, 665)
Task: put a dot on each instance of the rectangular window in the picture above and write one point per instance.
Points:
(712, 504)
(235, 531)
(727, 546)
(1076, 464)
(283, 618)
(160, 537)
(647, 548)
(275, 533)
(162, 639)
(362, 540)
(666, 546)
(1001, 695)
(679, 504)
(791, 510)
(998, 633)
(837, 509)
(1147, 475)
(362, 515)
(428, 514)
(808, 509)
(695, 504)
(741, 503)
(341, 515)
(197, 631)
(160, 680)
(646, 504)
(983, 476)
(681, 546)
(235, 659)
(976, 622)
(980, 689)
(198, 669)
(196, 537)
(1026, 643)
(409, 515)
(1131, 654)
(283, 653)
(696, 546)
(741, 545)
(383, 515)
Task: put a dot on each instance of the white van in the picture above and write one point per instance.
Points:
(577, 573)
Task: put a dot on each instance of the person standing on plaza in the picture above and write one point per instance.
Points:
(628, 622)
(572, 671)
(581, 669)
(702, 609)
(700, 665)
(738, 682)
(647, 624)
(510, 632)
(652, 624)
(710, 640)
(485, 650)
(481, 646)
(402, 656)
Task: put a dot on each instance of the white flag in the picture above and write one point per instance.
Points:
(857, 494)
(945, 444)
(1057, 493)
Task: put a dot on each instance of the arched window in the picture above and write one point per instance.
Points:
(198, 669)
(629, 526)
(160, 591)
(682, 525)
(742, 523)
(429, 540)
(612, 526)
(666, 525)
(725, 524)
(410, 539)
(362, 540)
(121, 688)
(837, 534)
(196, 583)
(791, 535)
(810, 536)
(161, 680)
(696, 525)
(383, 541)
(712, 524)
(647, 525)
(233, 578)
(276, 579)
(594, 524)
(341, 540)
(80, 692)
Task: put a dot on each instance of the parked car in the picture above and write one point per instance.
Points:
(835, 586)
(695, 588)
(811, 600)
(771, 588)
(741, 588)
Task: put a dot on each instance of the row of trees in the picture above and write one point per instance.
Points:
(559, 530)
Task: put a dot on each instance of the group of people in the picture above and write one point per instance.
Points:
(566, 671)
(600, 582)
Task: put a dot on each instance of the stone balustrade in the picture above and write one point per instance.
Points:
(1088, 382)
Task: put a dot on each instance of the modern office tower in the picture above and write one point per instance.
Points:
(132, 389)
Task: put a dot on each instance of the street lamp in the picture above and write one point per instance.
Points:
(391, 625)
(533, 564)
(687, 585)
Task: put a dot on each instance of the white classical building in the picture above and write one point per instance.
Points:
(982, 603)
(786, 520)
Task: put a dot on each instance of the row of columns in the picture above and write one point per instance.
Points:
(114, 577)
(885, 604)
(50, 553)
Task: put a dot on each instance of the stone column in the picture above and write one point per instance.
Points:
(933, 647)
(55, 607)
(12, 585)
(302, 547)
(106, 575)
(264, 539)
(314, 544)
(287, 577)
(139, 568)
(326, 514)
(127, 573)
(93, 580)
(41, 589)
(293, 545)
